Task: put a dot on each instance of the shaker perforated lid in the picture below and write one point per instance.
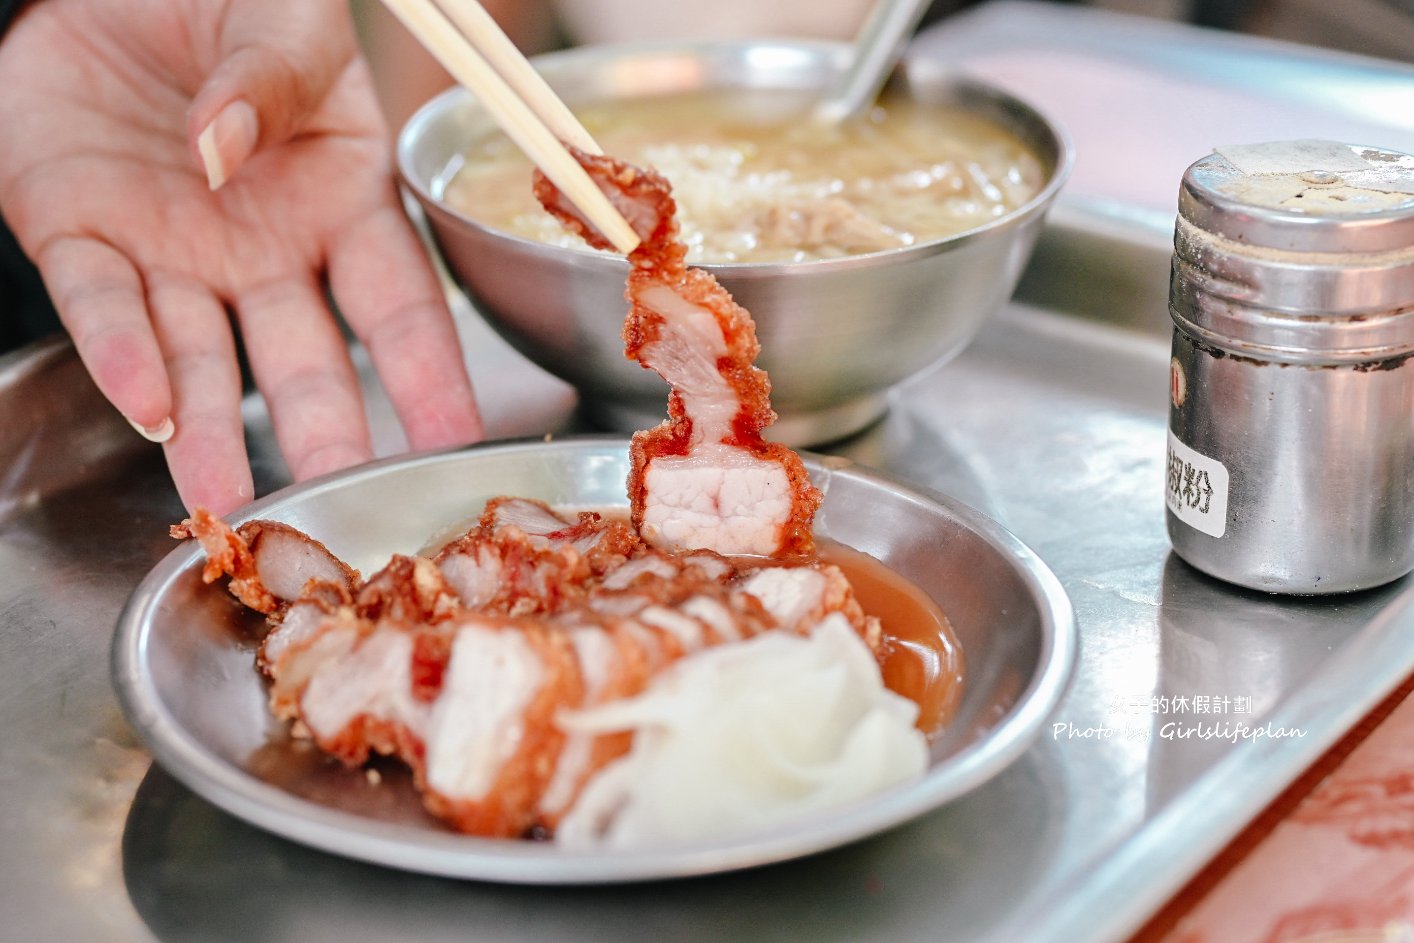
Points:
(1303, 196)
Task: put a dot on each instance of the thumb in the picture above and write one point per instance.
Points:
(278, 63)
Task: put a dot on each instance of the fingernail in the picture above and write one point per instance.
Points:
(158, 433)
(227, 141)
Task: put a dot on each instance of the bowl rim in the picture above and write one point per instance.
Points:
(415, 129)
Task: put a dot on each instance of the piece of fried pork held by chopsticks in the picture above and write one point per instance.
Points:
(705, 478)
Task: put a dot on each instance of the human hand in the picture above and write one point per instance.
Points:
(112, 111)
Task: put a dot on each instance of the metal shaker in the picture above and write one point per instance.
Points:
(1291, 420)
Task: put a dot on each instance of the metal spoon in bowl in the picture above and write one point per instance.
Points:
(876, 51)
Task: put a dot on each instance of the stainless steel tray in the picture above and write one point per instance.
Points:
(1052, 423)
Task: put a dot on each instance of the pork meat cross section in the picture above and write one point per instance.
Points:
(705, 478)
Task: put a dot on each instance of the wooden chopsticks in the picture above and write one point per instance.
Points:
(464, 38)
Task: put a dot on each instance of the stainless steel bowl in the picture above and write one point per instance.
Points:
(835, 334)
(184, 661)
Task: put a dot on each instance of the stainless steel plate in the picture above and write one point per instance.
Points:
(183, 661)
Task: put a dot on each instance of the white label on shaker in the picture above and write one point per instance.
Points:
(1196, 489)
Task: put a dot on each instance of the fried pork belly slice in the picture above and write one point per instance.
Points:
(315, 642)
(301, 621)
(492, 742)
(672, 618)
(412, 589)
(319, 638)
(705, 478)
(361, 698)
(500, 568)
(507, 573)
(614, 662)
(535, 519)
(800, 597)
(472, 566)
(408, 591)
(701, 585)
(653, 568)
(604, 543)
(721, 613)
(269, 563)
(468, 704)
(642, 197)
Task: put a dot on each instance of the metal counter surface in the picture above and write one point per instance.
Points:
(1052, 424)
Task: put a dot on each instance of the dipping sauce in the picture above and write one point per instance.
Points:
(921, 658)
(757, 181)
